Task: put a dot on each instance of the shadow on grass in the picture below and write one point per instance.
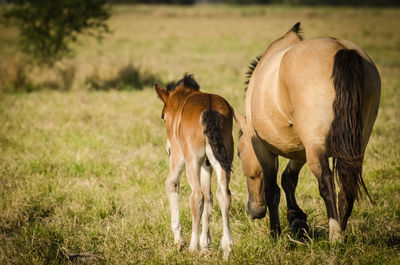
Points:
(314, 235)
(129, 77)
(389, 240)
(15, 78)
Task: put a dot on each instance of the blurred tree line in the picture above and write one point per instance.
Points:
(48, 27)
(287, 2)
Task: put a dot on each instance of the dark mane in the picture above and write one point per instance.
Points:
(187, 80)
(171, 86)
(297, 29)
(252, 66)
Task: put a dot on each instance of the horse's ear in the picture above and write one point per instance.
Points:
(240, 120)
(162, 93)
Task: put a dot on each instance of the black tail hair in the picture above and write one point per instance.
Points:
(346, 136)
(212, 122)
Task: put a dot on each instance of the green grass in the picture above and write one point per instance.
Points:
(84, 171)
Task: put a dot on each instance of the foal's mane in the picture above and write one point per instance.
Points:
(187, 81)
(253, 64)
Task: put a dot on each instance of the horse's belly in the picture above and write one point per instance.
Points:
(280, 138)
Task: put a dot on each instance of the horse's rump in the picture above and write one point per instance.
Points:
(346, 134)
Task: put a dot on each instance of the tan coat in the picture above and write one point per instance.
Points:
(308, 100)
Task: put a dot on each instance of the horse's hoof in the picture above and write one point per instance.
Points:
(335, 233)
(275, 231)
(336, 238)
(299, 227)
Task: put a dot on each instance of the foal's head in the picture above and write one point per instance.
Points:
(186, 84)
(256, 205)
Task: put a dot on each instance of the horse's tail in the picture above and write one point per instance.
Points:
(346, 134)
(212, 121)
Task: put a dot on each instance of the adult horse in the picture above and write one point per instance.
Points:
(307, 100)
(199, 136)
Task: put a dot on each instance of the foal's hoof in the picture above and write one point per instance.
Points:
(204, 251)
(226, 254)
(180, 245)
(299, 227)
(227, 247)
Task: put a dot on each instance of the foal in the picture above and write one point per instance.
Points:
(199, 136)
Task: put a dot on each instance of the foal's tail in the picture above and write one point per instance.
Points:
(212, 121)
(346, 138)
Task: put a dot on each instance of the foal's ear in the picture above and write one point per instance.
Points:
(240, 120)
(162, 93)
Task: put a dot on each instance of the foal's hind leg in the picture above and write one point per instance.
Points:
(205, 179)
(172, 188)
(296, 217)
(224, 200)
(319, 165)
(196, 199)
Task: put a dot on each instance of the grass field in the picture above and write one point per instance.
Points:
(83, 171)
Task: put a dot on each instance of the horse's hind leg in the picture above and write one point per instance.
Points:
(296, 217)
(345, 208)
(205, 179)
(346, 203)
(269, 165)
(319, 165)
(172, 188)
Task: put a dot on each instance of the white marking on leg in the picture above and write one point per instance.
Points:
(172, 189)
(334, 230)
(194, 240)
(196, 201)
(224, 201)
(205, 179)
(176, 226)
